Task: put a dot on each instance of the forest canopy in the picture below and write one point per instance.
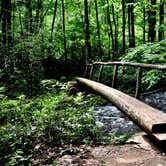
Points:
(50, 39)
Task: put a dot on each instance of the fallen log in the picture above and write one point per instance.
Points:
(151, 120)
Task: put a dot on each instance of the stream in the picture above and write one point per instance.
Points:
(113, 120)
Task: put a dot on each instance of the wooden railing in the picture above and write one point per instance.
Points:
(140, 66)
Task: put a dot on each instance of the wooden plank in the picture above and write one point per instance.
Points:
(148, 118)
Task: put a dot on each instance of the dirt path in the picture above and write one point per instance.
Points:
(137, 152)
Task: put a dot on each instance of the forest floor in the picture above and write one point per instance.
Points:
(138, 151)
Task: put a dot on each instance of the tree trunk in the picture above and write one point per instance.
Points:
(20, 21)
(152, 21)
(64, 30)
(110, 29)
(87, 33)
(123, 27)
(6, 15)
(9, 22)
(116, 31)
(38, 16)
(98, 29)
(53, 20)
(28, 21)
(161, 24)
(129, 23)
(148, 118)
(132, 25)
(144, 25)
(4, 26)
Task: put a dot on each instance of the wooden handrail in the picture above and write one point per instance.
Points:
(150, 66)
(140, 67)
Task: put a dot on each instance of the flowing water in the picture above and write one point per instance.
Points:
(113, 120)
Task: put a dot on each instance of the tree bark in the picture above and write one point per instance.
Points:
(152, 21)
(53, 20)
(87, 33)
(6, 15)
(98, 29)
(38, 17)
(110, 29)
(131, 24)
(123, 27)
(161, 21)
(28, 21)
(116, 31)
(64, 30)
(4, 23)
(9, 22)
(144, 25)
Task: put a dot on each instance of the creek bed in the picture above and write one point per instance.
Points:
(113, 120)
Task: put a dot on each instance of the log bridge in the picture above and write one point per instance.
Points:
(151, 120)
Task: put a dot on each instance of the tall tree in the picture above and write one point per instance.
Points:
(53, 20)
(152, 21)
(64, 29)
(144, 23)
(38, 17)
(98, 29)
(123, 27)
(28, 16)
(161, 21)
(87, 32)
(110, 33)
(6, 14)
(131, 25)
(4, 27)
(116, 30)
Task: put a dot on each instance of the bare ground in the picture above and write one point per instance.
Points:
(137, 152)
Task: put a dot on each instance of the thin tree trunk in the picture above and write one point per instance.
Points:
(123, 27)
(64, 30)
(13, 20)
(38, 16)
(9, 22)
(129, 24)
(116, 31)
(110, 29)
(87, 33)
(4, 27)
(98, 29)
(144, 25)
(53, 20)
(20, 20)
(152, 21)
(161, 22)
(28, 16)
(132, 25)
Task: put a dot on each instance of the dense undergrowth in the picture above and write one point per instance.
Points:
(53, 118)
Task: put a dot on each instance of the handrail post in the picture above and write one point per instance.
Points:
(86, 70)
(91, 71)
(114, 78)
(100, 73)
(138, 83)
